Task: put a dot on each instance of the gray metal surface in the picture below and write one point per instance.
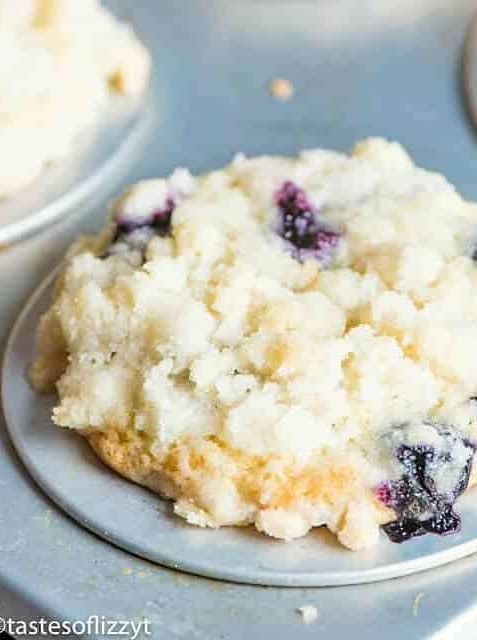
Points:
(137, 521)
(213, 63)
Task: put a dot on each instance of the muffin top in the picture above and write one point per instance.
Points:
(289, 309)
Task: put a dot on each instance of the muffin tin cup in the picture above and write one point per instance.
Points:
(142, 523)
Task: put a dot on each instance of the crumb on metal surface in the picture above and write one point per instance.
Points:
(143, 574)
(127, 571)
(308, 613)
(281, 88)
(417, 603)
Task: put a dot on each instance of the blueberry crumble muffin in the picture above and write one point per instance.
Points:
(285, 342)
(59, 62)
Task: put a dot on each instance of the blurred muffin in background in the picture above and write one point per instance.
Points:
(60, 61)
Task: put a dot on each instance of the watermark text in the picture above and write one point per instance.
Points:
(92, 626)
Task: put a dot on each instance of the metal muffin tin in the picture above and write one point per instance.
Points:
(376, 73)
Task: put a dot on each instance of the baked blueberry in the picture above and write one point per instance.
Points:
(134, 233)
(432, 477)
(303, 229)
(158, 221)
